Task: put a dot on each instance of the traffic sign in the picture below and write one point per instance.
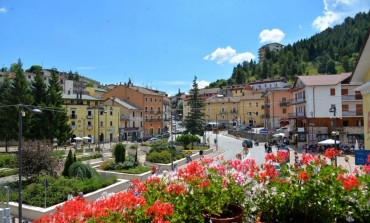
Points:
(361, 157)
(264, 131)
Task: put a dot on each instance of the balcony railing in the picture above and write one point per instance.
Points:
(296, 115)
(352, 113)
(234, 111)
(284, 103)
(73, 116)
(298, 101)
(356, 97)
(89, 116)
(89, 127)
(124, 117)
(73, 127)
(265, 116)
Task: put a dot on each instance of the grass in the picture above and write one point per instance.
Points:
(137, 170)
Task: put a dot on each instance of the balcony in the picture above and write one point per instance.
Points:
(89, 127)
(151, 112)
(124, 117)
(265, 116)
(297, 101)
(355, 97)
(297, 115)
(284, 103)
(352, 113)
(89, 116)
(234, 111)
(73, 127)
(265, 106)
(73, 116)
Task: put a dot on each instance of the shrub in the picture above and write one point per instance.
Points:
(119, 152)
(108, 165)
(8, 160)
(111, 165)
(58, 189)
(94, 156)
(5, 173)
(82, 171)
(159, 145)
(159, 157)
(67, 164)
(137, 170)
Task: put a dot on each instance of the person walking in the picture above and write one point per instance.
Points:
(70, 196)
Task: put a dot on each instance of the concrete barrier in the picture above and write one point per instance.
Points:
(32, 212)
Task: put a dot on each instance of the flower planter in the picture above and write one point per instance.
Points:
(234, 214)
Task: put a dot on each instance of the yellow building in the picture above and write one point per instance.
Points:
(91, 119)
(361, 75)
(235, 111)
(95, 92)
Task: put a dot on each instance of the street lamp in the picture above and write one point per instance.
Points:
(21, 113)
(333, 109)
(99, 136)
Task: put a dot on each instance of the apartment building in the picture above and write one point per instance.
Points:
(323, 105)
(277, 107)
(130, 119)
(148, 101)
(269, 83)
(361, 75)
(88, 117)
(271, 47)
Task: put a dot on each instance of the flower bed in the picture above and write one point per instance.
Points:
(314, 191)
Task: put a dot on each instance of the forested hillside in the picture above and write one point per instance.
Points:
(334, 50)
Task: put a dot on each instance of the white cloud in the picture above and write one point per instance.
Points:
(239, 58)
(202, 84)
(274, 35)
(336, 10)
(3, 10)
(221, 55)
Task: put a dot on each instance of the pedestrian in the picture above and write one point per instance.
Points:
(154, 170)
(80, 194)
(266, 145)
(70, 196)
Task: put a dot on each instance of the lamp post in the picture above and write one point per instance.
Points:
(333, 109)
(99, 136)
(171, 142)
(21, 113)
(218, 129)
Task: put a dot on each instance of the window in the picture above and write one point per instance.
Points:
(133, 124)
(146, 109)
(89, 123)
(73, 123)
(256, 104)
(345, 123)
(345, 107)
(250, 104)
(111, 112)
(133, 114)
(155, 100)
(146, 99)
(111, 123)
(89, 112)
(141, 123)
(332, 91)
(101, 124)
(146, 118)
(344, 91)
(284, 110)
(141, 114)
(151, 99)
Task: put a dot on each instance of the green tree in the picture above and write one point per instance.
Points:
(331, 67)
(7, 127)
(68, 163)
(119, 153)
(57, 121)
(36, 69)
(38, 90)
(194, 122)
(184, 139)
(20, 94)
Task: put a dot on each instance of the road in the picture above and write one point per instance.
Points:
(232, 146)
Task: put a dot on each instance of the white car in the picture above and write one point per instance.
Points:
(152, 140)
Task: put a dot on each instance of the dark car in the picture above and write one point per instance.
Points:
(166, 135)
(247, 143)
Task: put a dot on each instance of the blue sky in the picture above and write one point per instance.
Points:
(160, 44)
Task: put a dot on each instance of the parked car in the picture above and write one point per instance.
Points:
(143, 139)
(166, 135)
(153, 139)
(247, 143)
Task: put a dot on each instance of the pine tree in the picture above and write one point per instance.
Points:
(69, 161)
(194, 122)
(38, 90)
(57, 116)
(5, 113)
(20, 94)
